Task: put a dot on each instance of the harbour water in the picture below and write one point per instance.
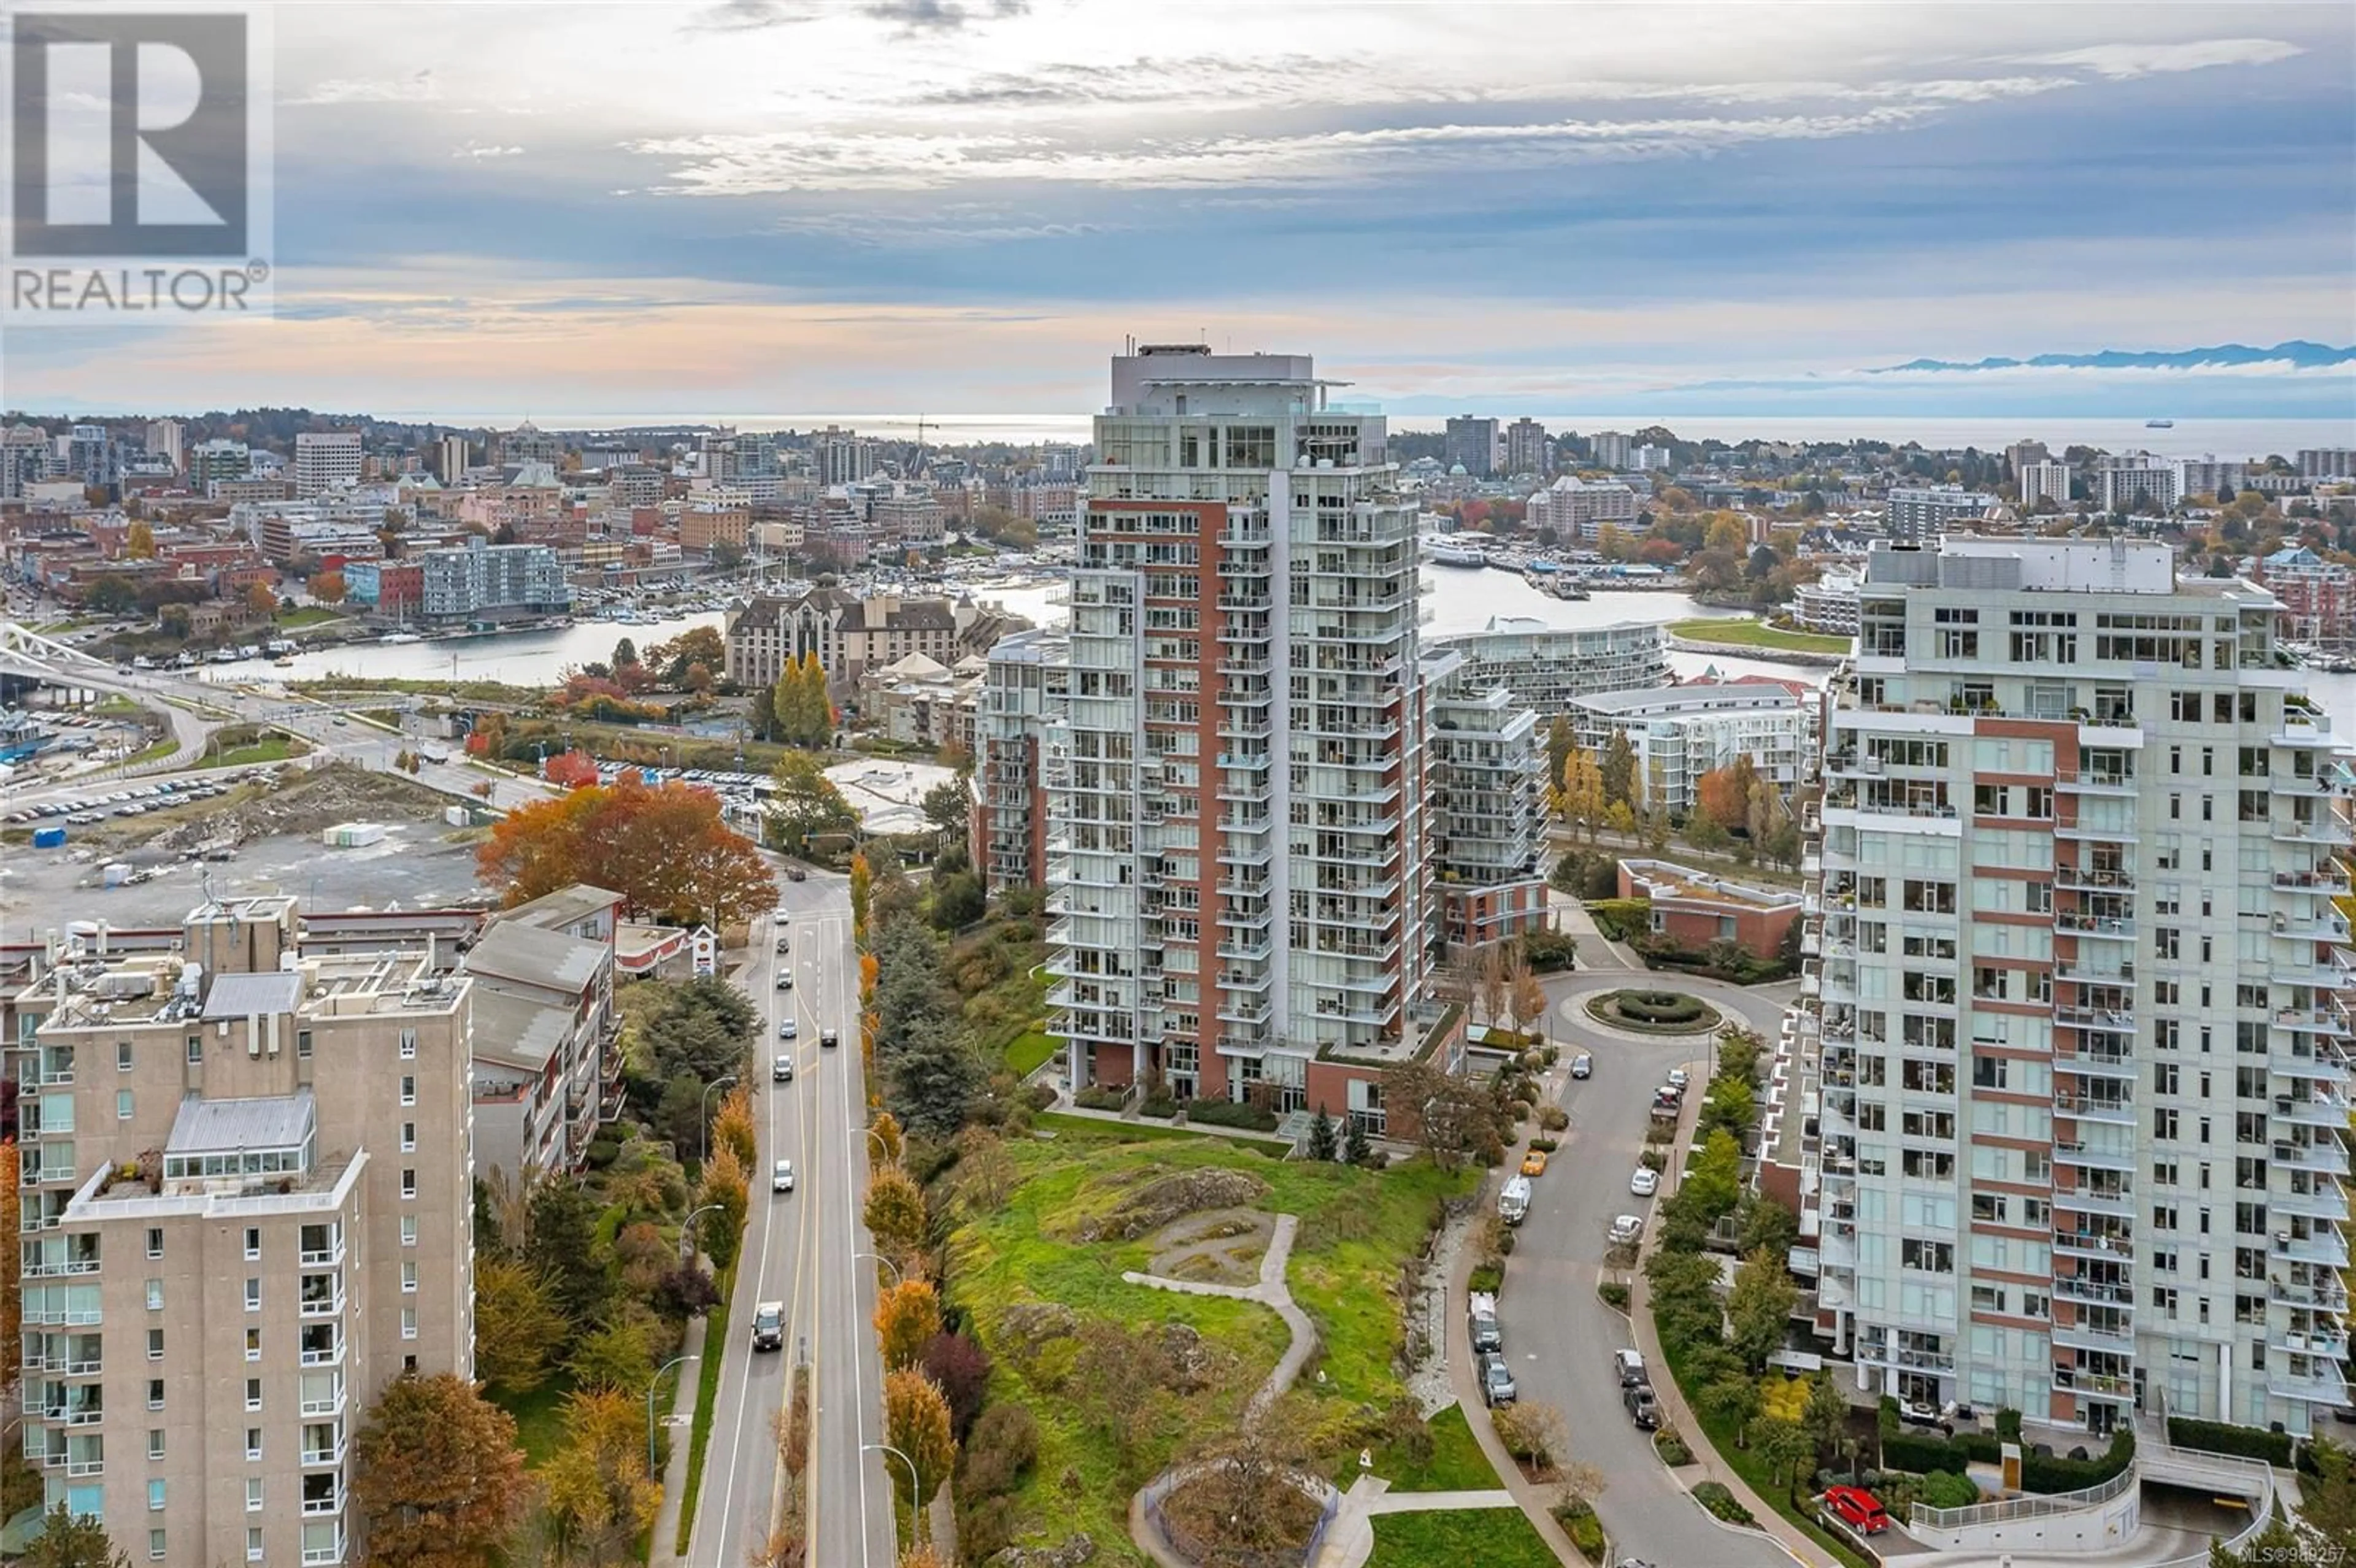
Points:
(1462, 601)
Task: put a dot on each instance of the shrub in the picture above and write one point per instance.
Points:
(2216, 1437)
(1531, 1433)
(1586, 1532)
(1549, 952)
(1231, 1114)
(1041, 1096)
(1486, 1278)
(2008, 1425)
(1671, 1447)
(1658, 1007)
(1003, 1444)
(1545, 1146)
(1554, 1118)
(1721, 1503)
(1945, 1489)
(1161, 1107)
(1613, 1295)
(1097, 1097)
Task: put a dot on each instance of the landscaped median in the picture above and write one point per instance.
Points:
(707, 1391)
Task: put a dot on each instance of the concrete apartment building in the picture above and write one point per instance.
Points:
(1026, 690)
(1470, 442)
(546, 1070)
(1241, 888)
(852, 635)
(1545, 666)
(247, 1206)
(1526, 448)
(2319, 596)
(1680, 733)
(492, 581)
(2044, 481)
(2123, 482)
(325, 459)
(2077, 994)
(1925, 511)
(2327, 462)
(1577, 509)
(1488, 794)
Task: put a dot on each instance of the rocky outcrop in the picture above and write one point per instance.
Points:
(1073, 1553)
(1157, 1202)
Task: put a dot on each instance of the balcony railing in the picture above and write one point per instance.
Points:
(2079, 1242)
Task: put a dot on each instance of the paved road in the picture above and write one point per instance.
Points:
(1558, 1334)
(798, 1249)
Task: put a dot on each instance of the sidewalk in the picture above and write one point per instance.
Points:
(1674, 1413)
(674, 1476)
(1595, 952)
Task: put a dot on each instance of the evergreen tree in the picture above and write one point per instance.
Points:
(1321, 1137)
(1354, 1142)
(68, 1539)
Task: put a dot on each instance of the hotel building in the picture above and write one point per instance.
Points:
(2075, 982)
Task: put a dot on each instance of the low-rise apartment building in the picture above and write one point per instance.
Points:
(1546, 667)
(1695, 909)
(1680, 733)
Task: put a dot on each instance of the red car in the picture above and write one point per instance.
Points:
(1858, 1508)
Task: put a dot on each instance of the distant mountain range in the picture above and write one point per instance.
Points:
(2298, 352)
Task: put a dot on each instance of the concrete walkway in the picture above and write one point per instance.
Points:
(1595, 952)
(1675, 1413)
(1271, 1292)
(683, 1414)
(1350, 1539)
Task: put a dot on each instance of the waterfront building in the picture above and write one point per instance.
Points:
(1547, 666)
(852, 635)
(840, 457)
(2075, 992)
(1242, 894)
(2318, 596)
(1829, 604)
(490, 582)
(1680, 733)
(247, 1205)
(1925, 511)
(325, 459)
(1577, 509)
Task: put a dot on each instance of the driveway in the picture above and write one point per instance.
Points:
(1558, 1334)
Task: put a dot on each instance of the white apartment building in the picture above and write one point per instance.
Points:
(1238, 870)
(325, 459)
(1546, 666)
(1829, 604)
(1925, 511)
(1577, 509)
(2077, 984)
(1026, 690)
(2327, 462)
(1611, 448)
(2210, 474)
(1680, 733)
(2044, 481)
(247, 1206)
(2123, 482)
(165, 440)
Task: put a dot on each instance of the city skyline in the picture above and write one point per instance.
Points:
(1522, 209)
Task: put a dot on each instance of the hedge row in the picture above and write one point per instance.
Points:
(2040, 1473)
(2216, 1437)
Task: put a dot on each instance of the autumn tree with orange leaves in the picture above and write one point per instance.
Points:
(663, 847)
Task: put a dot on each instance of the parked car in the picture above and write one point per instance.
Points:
(1858, 1508)
(1629, 1366)
(1486, 1336)
(1645, 1182)
(781, 1177)
(1626, 1229)
(1643, 1408)
(769, 1326)
(1583, 1065)
(781, 1071)
(1497, 1380)
(1679, 1078)
(1533, 1163)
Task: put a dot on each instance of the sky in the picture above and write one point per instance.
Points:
(964, 206)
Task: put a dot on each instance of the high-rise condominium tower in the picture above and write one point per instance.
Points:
(2079, 983)
(1238, 857)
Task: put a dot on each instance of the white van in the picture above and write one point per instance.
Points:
(1513, 1202)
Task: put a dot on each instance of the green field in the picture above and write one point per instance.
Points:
(539, 1417)
(1030, 1051)
(1735, 632)
(1489, 1538)
(276, 749)
(1457, 1464)
(1356, 1227)
(309, 615)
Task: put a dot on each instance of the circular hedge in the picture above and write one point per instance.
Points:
(1652, 1012)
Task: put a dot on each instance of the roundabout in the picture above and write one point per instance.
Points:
(1651, 1011)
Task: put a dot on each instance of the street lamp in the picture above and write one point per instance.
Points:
(877, 1138)
(703, 1123)
(887, 1263)
(651, 1386)
(916, 1484)
(687, 1229)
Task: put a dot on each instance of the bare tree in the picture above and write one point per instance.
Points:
(1493, 982)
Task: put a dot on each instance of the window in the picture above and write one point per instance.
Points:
(122, 1104)
(154, 1295)
(1934, 1257)
(156, 1545)
(254, 1393)
(408, 1045)
(196, 1048)
(253, 1493)
(408, 1138)
(155, 1443)
(409, 1230)
(253, 1543)
(302, 1044)
(254, 1344)
(408, 1275)
(155, 1241)
(254, 1241)
(122, 1056)
(408, 1089)
(254, 1295)
(409, 1181)
(155, 1496)
(409, 1323)
(154, 1394)
(253, 1442)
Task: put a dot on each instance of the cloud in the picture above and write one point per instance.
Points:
(418, 88)
(750, 17)
(478, 150)
(2124, 61)
(940, 15)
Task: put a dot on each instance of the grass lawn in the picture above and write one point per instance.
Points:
(1030, 1051)
(160, 748)
(1147, 1131)
(309, 615)
(1357, 1227)
(707, 1391)
(1457, 1463)
(1745, 634)
(1490, 1537)
(1746, 1462)
(539, 1417)
(276, 749)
